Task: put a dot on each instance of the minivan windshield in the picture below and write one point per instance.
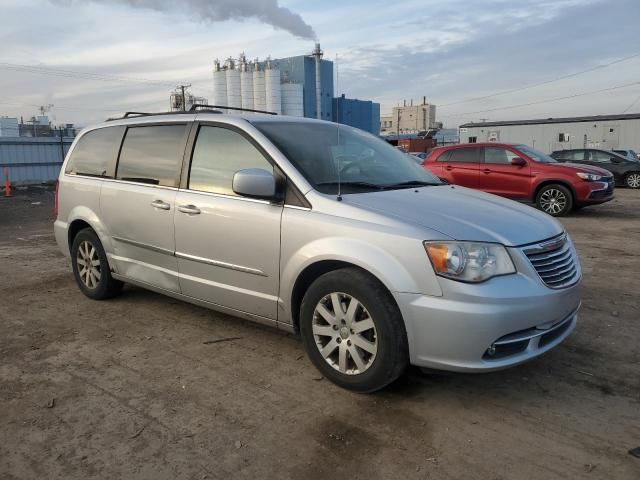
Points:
(328, 154)
(536, 155)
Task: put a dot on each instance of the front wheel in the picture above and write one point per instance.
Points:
(556, 200)
(353, 331)
(632, 180)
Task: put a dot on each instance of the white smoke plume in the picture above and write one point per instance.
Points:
(267, 11)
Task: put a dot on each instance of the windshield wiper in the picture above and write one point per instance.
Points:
(354, 184)
(411, 183)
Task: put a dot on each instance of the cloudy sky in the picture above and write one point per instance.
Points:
(92, 59)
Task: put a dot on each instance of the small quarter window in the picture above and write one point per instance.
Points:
(95, 152)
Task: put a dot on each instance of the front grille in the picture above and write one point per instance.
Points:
(555, 262)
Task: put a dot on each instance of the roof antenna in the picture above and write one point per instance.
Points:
(339, 198)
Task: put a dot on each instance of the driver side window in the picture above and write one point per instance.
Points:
(500, 156)
(218, 154)
(600, 157)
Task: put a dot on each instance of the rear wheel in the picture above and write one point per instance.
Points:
(555, 199)
(632, 180)
(91, 267)
(353, 331)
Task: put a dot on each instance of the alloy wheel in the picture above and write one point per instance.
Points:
(553, 201)
(633, 180)
(88, 264)
(344, 333)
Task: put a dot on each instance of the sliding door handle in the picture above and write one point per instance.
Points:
(190, 209)
(160, 204)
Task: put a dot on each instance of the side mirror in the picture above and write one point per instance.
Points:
(518, 162)
(254, 183)
(615, 160)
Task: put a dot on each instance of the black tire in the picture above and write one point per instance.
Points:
(101, 285)
(632, 180)
(392, 355)
(563, 203)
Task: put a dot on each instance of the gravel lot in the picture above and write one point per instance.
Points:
(133, 387)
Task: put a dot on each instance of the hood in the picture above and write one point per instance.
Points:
(585, 168)
(462, 214)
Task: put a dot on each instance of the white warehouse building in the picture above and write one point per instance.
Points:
(550, 134)
(257, 86)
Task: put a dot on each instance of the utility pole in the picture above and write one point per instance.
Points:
(184, 98)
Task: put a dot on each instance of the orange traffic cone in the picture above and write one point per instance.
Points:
(7, 185)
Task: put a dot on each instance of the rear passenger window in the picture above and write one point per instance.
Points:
(95, 152)
(218, 154)
(152, 154)
(466, 155)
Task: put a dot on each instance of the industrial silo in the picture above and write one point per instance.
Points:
(219, 84)
(259, 92)
(292, 99)
(272, 88)
(246, 83)
(234, 97)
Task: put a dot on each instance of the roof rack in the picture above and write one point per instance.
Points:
(192, 110)
(147, 114)
(195, 108)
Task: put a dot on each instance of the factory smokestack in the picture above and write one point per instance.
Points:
(317, 53)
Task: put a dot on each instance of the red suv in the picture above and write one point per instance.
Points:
(522, 173)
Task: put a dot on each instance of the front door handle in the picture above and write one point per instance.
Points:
(190, 209)
(160, 204)
(486, 170)
(448, 167)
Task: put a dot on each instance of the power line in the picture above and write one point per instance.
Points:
(632, 104)
(546, 82)
(57, 72)
(543, 101)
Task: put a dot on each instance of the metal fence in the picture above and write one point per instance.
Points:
(30, 160)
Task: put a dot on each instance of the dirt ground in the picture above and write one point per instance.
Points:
(132, 388)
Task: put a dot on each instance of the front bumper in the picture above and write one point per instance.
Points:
(593, 193)
(515, 317)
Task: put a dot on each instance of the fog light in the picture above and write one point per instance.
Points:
(491, 351)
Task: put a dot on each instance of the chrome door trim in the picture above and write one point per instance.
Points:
(153, 248)
(127, 182)
(231, 197)
(217, 263)
(296, 207)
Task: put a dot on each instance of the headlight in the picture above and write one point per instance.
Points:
(469, 261)
(590, 177)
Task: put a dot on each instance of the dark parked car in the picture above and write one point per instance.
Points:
(625, 171)
(521, 173)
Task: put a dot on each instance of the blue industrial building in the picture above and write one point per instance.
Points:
(302, 69)
(30, 160)
(363, 114)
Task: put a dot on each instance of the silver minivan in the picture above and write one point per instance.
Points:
(316, 228)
